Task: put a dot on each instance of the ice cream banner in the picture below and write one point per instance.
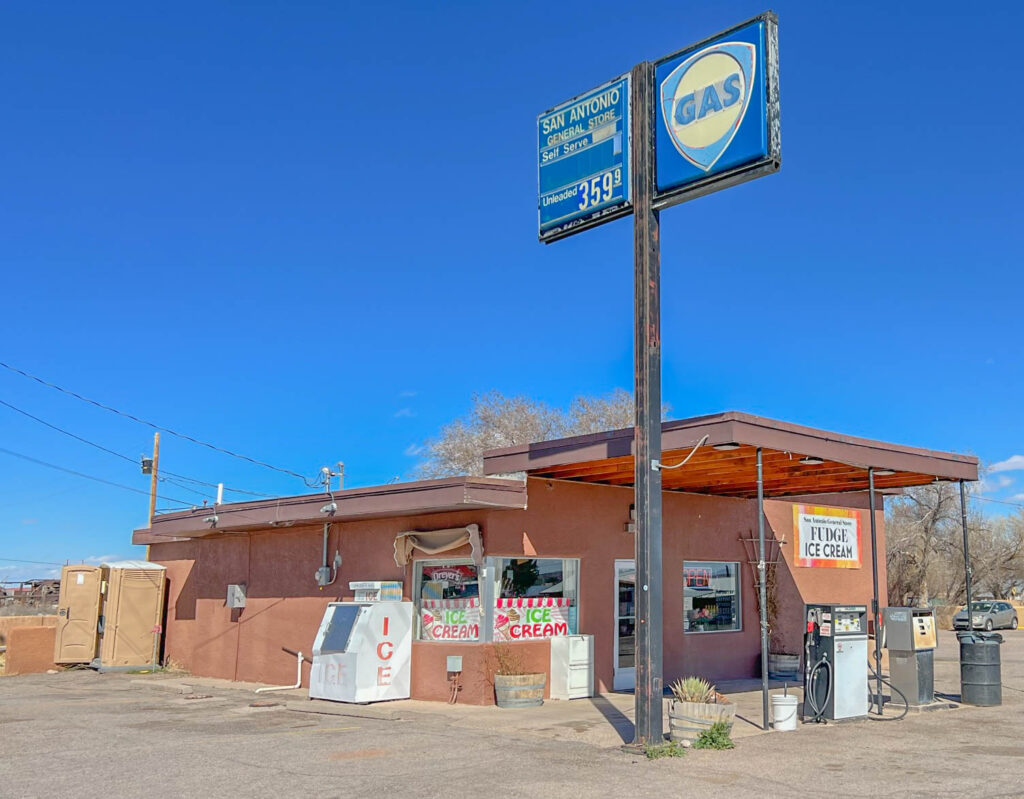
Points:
(531, 617)
(827, 536)
(450, 619)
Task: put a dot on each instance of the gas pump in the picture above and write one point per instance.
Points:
(910, 636)
(835, 660)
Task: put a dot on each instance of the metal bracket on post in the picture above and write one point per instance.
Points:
(647, 364)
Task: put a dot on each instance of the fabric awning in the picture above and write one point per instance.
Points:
(434, 542)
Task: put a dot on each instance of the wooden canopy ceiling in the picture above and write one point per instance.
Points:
(796, 460)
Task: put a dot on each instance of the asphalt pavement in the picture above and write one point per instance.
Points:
(84, 734)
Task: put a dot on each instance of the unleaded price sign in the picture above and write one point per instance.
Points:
(583, 161)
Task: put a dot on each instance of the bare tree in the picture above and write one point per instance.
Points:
(495, 420)
(920, 526)
(924, 547)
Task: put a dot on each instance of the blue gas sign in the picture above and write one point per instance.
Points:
(717, 119)
(583, 161)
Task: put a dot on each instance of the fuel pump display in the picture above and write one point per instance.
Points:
(835, 662)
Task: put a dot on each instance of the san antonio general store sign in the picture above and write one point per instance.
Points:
(827, 536)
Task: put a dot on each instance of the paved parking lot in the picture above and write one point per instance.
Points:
(83, 734)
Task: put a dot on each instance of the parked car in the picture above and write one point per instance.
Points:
(992, 615)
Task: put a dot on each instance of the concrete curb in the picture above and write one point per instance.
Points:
(334, 709)
(163, 685)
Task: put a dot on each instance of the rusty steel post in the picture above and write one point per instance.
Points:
(647, 365)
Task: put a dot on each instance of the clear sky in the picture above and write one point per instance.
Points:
(307, 232)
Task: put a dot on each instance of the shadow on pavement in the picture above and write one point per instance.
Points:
(619, 720)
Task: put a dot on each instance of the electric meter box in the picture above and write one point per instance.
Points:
(363, 652)
(910, 636)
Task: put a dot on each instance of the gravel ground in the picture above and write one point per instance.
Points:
(84, 734)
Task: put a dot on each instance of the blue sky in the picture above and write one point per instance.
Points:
(307, 232)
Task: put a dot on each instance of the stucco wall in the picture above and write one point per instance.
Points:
(30, 649)
(284, 605)
(7, 623)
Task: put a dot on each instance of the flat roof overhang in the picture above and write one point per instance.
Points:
(399, 499)
(608, 458)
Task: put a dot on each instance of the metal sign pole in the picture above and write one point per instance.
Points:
(967, 553)
(647, 343)
(875, 614)
(762, 588)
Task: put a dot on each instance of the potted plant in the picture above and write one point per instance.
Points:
(514, 684)
(695, 707)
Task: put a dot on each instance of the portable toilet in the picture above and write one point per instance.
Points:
(78, 614)
(133, 611)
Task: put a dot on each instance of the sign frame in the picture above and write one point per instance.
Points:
(602, 215)
(855, 521)
(740, 174)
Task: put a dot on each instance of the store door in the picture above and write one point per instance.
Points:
(624, 678)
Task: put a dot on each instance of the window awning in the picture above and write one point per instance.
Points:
(434, 542)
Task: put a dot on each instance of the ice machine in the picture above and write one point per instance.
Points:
(362, 652)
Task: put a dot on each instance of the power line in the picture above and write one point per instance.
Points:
(89, 476)
(37, 562)
(67, 432)
(309, 484)
(999, 501)
(124, 457)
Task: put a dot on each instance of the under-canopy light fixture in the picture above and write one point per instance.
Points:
(726, 447)
(810, 460)
(883, 472)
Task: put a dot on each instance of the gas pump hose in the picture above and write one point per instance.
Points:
(819, 712)
(906, 704)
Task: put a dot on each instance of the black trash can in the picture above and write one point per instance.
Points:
(980, 677)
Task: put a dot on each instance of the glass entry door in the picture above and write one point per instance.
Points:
(625, 626)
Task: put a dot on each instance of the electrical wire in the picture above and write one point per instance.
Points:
(37, 562)
(309, 483)
(89, 476)
(696, 446)
(124, 457)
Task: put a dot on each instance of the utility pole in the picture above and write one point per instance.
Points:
(153, 480)
(647, 438)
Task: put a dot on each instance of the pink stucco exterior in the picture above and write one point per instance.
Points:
(563, 519)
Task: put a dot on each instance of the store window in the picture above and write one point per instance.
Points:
(447, 600)
(536, 598)
(711, 596)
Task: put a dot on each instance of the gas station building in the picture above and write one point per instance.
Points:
(544, 546)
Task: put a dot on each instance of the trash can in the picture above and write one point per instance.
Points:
(980, 677)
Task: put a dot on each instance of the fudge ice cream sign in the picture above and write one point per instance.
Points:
(828, 537)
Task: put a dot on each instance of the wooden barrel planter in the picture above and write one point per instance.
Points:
(519, 690)
(687, 720)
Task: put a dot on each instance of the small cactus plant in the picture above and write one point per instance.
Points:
(694, 689)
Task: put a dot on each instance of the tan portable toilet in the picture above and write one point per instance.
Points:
(78, 614)
(132, 613)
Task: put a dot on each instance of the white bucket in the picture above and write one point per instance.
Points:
(784, 712)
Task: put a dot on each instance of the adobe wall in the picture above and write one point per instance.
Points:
(284, 605)
(30, 650)
(9, 622)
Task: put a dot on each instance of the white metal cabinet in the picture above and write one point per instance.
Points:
(572, 666)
